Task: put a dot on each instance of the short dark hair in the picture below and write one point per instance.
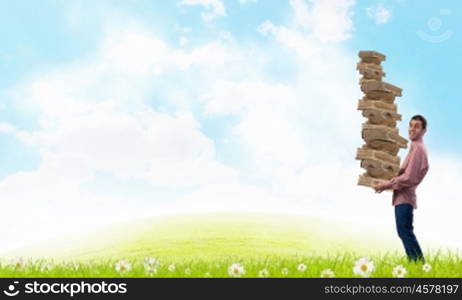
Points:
(421, 119)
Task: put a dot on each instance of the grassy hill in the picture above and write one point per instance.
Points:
(210, 245)
(214, 235)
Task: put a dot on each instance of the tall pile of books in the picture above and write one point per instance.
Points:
(382, 140)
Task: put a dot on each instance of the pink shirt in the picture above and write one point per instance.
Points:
(413, 170)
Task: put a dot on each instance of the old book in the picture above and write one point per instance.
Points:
(368, 181)
(381, 117)
(366, 103)
(383, 132)
(381, 137)
(378, 164)
(371, 57)
(369, 153)
(370, 71)
(379, 90)
(379, 169)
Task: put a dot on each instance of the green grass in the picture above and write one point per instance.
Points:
(208, 244)
(444, 264)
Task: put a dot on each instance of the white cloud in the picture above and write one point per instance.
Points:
(379, 13)
(322, 114)
(215, 8)
(93, 118)
(229, 196)
(248, 1)
(183, 41)
(315, 23)
(7, 127)
(166, 150)
(83, 111)
(296, 40)
(266, 116)
(326, 20)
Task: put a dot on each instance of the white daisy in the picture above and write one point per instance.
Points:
(187, 271)
(263, 273)
(236, 270)
(363, 267)
(123, 266)
(426, 267)
(327, 273)
(301, 268)
(284, 271)
(399, 271)
(171, 267)
(150, 265)
(151, 261)
(17, 263)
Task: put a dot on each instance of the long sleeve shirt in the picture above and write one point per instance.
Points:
(411, 173)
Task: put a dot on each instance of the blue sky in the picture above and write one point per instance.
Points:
(165, 106)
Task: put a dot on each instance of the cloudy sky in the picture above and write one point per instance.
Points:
(116, 110)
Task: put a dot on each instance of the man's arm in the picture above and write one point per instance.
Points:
(410, 176)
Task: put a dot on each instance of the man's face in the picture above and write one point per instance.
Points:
(415, 130)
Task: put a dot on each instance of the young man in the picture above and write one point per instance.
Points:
(413, 170)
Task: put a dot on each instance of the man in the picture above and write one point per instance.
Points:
(413, 170)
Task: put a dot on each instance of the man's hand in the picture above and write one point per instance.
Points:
(380, 187)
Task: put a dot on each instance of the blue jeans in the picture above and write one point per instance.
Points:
(404, 216)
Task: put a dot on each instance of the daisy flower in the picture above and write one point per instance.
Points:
(363, 267)
(17, 263)
(284, 271)
(236, 270)
(426, 267)
(399, 271)
(301, 268)
(263, 273)
(123, 266)
(151, 262)
(171, 267)
(327, 273)
(150, 265)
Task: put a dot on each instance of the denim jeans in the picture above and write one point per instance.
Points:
(404, 216)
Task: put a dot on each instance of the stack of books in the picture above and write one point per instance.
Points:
(382, 140)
